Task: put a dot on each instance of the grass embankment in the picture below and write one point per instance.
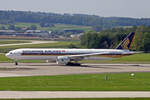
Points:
(86, 82)
(86, 99)
(137, 58)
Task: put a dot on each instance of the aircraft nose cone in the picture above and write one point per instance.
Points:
(7, 55)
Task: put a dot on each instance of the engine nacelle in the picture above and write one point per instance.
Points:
(63, 60)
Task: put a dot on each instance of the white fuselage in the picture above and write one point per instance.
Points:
(52, 54)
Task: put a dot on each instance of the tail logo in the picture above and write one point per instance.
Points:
(126, 44)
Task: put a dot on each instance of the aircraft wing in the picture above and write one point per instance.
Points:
(86, 55)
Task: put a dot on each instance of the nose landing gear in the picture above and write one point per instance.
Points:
(16, 63)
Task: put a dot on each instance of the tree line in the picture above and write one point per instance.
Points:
(111, 38)
(46, 19)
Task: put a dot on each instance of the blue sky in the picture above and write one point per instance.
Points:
(107, 8)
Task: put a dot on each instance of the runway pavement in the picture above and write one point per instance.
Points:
(36, 69)
(72, 94)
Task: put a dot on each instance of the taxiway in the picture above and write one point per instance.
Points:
(73, 94)
(37, 69)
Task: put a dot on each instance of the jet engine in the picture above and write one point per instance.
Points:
(63, 60)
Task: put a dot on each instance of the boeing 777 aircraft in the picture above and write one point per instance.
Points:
(71, 56)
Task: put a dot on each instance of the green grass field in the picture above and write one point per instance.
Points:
(137, 58)
(60, 44)
(85, 82)
(70, 27)
(86, 99)
(56, 28)
(4, 59)
(6, 41)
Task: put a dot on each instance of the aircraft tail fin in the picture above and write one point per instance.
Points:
(126, 43)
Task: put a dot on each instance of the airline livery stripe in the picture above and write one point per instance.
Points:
(104, 55)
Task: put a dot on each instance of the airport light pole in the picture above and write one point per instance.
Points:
(106, 76)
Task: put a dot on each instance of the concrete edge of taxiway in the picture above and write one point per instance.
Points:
(73, 94)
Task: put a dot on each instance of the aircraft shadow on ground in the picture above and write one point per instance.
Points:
(81, 66)
(92, 66)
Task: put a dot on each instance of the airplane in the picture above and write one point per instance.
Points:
(71, 56)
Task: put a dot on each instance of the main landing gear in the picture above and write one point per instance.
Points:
(73, 64)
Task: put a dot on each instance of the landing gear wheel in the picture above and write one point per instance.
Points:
(73, 64)
(16, 63)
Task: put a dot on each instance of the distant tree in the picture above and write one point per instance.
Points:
(11, 27)
(147, 42)
(18, 29)
(11, 17)
(72, 46)
(33, 27)
(91, 39)
(2, 28)
(42, 24)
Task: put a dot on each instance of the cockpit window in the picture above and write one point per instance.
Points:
(11, 53)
